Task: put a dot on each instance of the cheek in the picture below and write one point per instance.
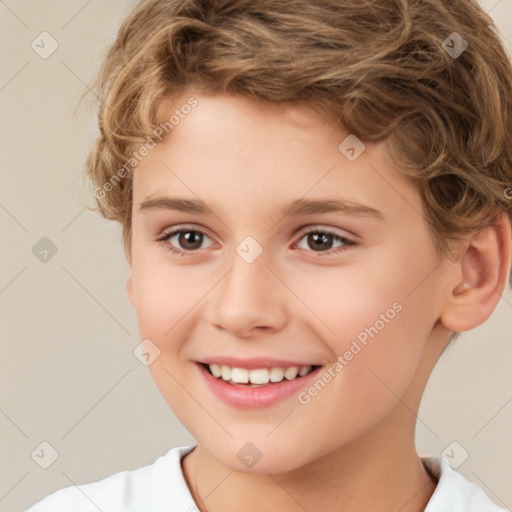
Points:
(164, 307)
(164, 294)
(375, 323)
(167, 301)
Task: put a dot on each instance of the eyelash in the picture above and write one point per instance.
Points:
(164, 239)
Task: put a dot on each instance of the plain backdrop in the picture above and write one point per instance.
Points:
(68, 375)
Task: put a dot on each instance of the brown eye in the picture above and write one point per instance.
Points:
(183, 241)
(322, 242)
(319, 241)
(190, 240)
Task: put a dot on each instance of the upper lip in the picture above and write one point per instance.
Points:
(254, 363)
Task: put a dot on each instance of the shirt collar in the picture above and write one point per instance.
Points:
(454, 493)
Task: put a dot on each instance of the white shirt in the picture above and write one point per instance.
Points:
(161, 487)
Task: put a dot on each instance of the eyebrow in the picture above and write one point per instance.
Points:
(297, 207)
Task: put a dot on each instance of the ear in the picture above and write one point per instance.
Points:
(481, 277)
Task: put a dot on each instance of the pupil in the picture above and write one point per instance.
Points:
(323, 240)
(186, 240)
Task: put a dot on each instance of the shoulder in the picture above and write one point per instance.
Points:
(456, 493)
(150, 488)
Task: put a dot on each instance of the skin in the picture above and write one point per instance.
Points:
(245, 159)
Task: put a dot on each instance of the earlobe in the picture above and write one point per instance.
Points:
(482, 275)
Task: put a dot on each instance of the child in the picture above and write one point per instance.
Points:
(345, 169)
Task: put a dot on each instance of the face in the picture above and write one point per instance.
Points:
(299, 257)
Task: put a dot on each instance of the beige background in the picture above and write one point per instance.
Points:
(68, 373)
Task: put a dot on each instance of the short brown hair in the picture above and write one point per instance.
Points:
(382, 68)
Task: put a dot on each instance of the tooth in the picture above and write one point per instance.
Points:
(276, 374)
(216, 370)
(304, 370)
(226, 372)
(240, 375)
(259, 376)
(291, 372)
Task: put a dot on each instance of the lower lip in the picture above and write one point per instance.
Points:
(254, 398)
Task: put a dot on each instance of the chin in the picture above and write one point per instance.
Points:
(253, 459)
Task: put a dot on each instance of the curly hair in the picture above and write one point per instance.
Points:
(383, 69)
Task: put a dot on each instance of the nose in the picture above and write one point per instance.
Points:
(249, 299)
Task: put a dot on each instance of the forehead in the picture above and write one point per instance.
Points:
(231, 148)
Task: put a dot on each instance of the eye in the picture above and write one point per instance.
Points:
(320, 240)
(187, 239)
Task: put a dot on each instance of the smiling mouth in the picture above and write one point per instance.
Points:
(259, 377)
